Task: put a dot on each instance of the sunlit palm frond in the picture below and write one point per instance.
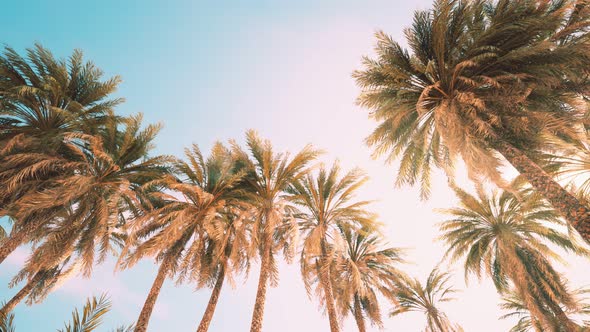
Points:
(7, 322)
(90, 317)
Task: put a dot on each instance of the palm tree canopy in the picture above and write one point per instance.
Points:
(413, 296)
(228, 236)
(43, 100)
(488, 231)
(366, 269)
(269, 175)
(508, 237)
(326, 204)
(85, 211)
(191, 202)
(476, 73)
(43, 96)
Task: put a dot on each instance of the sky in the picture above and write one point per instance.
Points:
(210, 71)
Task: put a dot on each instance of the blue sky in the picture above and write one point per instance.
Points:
(210, 70)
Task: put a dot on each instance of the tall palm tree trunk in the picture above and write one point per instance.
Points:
(10, 305)
(18, 237)
(564, 202)
(258, 314)
(327, 286)
(208, 315)
(148, 306)
(358, 314)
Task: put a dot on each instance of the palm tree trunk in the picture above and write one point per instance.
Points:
(10, 305)
(258, 314)
(358, 314)
(18, 237)
(564, 202)
(148, 306)
(327, 286)
(208, 315)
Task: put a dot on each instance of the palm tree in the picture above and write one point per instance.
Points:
(269, 175)
(43, 100)
(226, 253)
(327, 203)
(90, 205)
(174, 232)
(413, 296)
(364, 270)
(480, 78)
(513, 303)
(113, 168)
(506, 236)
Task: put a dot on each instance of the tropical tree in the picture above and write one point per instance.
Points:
(269, 174)
(85, 212)
(413, 296)
(326, 200)
(174, 231)
(517, 309)
(365, 270)
(43, 102)
(482, 78)
(507, 236)
(226, 253)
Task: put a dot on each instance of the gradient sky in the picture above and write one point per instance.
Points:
(211, 70)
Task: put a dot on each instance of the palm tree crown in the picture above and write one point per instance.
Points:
(413, 296)
(506, 236)
(476, 73)
(365, 270)
(480, 78)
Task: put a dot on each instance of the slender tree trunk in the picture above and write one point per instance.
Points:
(208, 315)
(9, 306)
(258, 314)
(327, 286)
(577, 214)
(148, 306)
(358, 314)
(18, 237)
